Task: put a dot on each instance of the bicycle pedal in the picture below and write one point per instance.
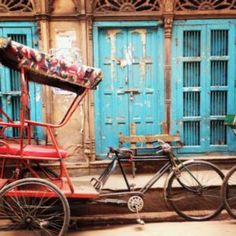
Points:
(140, 221)
(97, 184)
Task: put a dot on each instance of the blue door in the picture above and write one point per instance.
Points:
(10, 82)
(131, 58)
(204, 84)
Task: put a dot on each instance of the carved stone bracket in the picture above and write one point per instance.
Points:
(169, 6)
(168, 17)
(37, 8)
(90, 27)
(168, 24)
(39, 31)
(50, 6)
(77, 6)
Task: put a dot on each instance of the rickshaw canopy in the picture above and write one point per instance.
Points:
(48, 69)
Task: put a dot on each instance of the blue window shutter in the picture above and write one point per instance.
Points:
(22, 32)
(203, 84)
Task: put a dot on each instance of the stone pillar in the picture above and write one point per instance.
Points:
(89, 142)
(168, 20)
(42, 17)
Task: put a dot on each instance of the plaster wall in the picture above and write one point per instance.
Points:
(72, 136)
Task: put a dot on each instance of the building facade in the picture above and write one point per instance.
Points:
(169, 67)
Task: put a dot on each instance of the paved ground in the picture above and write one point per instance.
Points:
(155, 202)
(210, 228)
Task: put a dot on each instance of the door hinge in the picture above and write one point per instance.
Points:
(36, 43)
(10, 93)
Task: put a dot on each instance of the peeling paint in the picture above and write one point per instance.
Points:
(143, 68)
(128, 57)
(112, 36)
(148, 104)
(143, 35)
(38, 97)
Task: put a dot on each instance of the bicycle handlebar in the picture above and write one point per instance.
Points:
(128, 153)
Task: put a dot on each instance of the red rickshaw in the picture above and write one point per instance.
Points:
(27, 158)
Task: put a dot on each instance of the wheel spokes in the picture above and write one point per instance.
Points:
(44, 211)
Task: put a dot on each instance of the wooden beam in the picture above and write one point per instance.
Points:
(148, 138)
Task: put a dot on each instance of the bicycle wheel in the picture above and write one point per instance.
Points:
(229, 192)
(34, 205)
(43, 172)
(194, 191)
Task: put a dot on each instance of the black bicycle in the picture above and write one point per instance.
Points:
(192, 187)
(228, 190)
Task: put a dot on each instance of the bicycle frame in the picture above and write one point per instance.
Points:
(172, 164)
(100, 182)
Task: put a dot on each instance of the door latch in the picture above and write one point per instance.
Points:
(9, 95)
(132, 92)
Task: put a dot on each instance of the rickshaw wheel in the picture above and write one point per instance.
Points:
(34, 205)
(25, 173)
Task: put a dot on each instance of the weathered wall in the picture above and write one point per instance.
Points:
(63, 7)
(72, 136)
(79, 15)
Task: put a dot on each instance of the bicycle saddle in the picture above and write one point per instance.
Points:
(125, 152)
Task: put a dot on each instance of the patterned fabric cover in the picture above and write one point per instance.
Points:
(51, 70)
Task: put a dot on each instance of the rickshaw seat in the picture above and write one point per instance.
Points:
(33, 150)
(3, 182)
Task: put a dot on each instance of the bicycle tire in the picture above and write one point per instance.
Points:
(34, 211)
(229, 192)
(194, 190)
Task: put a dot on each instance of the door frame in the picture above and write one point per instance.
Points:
(132, 24)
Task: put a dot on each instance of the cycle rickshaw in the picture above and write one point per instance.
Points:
(34, 197)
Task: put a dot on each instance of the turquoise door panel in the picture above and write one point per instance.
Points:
(132, 89)
(10, 89)
(112, 115)
(142, 76)
(203, 78)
